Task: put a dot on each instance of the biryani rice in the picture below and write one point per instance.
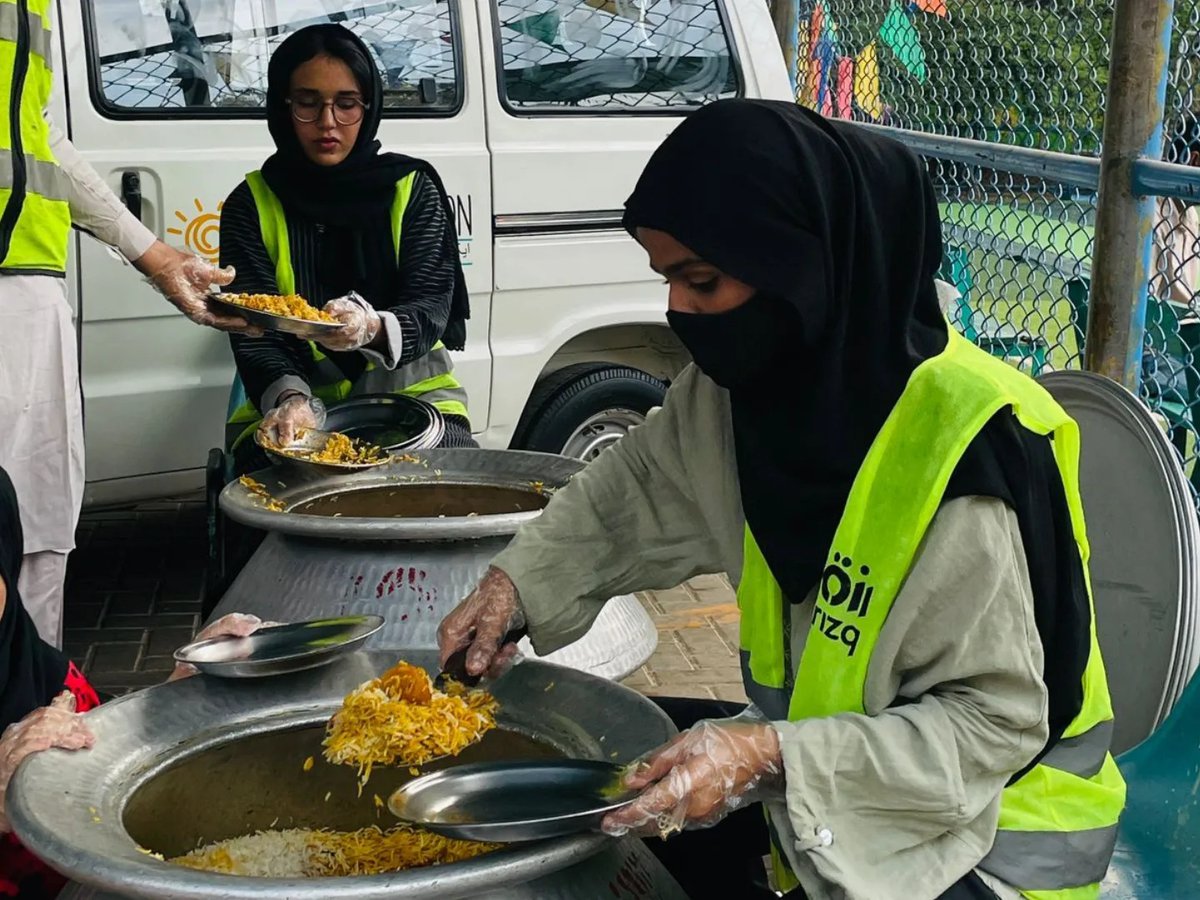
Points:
(398, 718)
(292, 306)
(320, 853)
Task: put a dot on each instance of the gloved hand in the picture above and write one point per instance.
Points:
(293, 413)
(701, 776)
(234, 624)
(56, 725)
(481, 622)
(185, 280)
(360, 323)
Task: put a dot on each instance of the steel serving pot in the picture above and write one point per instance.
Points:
(190, 762)
(352, 555)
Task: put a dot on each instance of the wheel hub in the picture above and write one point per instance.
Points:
(600, 431)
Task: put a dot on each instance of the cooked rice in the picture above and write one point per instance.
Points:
(398, 718)
(339, 448)
(306, 853)
(259, 491)
(291, 305)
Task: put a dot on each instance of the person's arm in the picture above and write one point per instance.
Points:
(628, 522)
(414, 320)
(956, 682)
(94, 207)
(183, 279)
(271, 365)
(970, 709)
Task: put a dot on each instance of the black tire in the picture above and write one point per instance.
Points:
(564, 400)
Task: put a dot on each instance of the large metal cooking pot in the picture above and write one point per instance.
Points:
(187, 763)
(339, 548)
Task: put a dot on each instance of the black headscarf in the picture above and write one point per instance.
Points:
(31, 671)
(838, 226)
(354, 198)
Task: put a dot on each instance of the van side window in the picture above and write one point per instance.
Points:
(197, 57)
(613, 55)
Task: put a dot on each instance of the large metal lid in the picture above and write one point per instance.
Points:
(1143, 533)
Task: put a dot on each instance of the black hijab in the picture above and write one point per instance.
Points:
(838, 228)
(31, 671)
(354, 198)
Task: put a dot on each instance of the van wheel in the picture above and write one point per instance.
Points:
(582, 410)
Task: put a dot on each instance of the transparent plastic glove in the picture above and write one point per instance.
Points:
(56, 725)
(481, 622)
(234, 624)
(360, 323)
(294, 413)
(185, 280)
(701, 776)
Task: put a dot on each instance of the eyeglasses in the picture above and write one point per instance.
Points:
(346, 110)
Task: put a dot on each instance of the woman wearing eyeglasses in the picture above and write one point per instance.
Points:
(366, 235)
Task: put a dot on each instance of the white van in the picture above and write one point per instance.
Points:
(539, 114)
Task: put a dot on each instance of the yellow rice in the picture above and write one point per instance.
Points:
(398, 718)
(317, 853)
(291, 305)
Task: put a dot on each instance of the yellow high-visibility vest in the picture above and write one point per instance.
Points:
(35, 218)
(431, 378)
(1058, 822)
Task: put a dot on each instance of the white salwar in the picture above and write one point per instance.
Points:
(41, 410)
(41, 435)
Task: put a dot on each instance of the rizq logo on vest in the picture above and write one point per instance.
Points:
(840, 595)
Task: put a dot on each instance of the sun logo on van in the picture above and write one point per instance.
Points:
(201, 231)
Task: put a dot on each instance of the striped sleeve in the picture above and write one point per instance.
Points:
(274, 359)
(428, 251)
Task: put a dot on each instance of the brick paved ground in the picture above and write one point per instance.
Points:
(133, 596)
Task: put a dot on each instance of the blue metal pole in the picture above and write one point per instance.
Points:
(1133, 130)
(786, 15)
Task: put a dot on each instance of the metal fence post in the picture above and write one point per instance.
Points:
(786, 16)
(1133, 126)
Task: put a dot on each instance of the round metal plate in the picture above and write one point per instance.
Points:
(1143, 534)
(302, 328)
(391, 421)
(279, 649)
(508, 802)
(296, 453)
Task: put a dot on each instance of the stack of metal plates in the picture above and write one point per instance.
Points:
(1144, 537)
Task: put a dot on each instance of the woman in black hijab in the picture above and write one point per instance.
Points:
(801, 255)
(367, 235)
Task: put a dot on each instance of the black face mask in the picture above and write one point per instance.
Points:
(734, 348)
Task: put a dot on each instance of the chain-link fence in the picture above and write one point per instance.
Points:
(1019, 247)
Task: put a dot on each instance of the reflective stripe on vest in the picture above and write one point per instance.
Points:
(1058, 822)
(429, 377)
(35, 219)
(41, 38)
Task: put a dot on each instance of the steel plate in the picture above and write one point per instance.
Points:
(301, 328)
(1143, 535)
(392, 421)
(510, 802)
(280, 649)
(297, 452)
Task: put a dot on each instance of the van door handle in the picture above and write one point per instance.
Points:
(131, 192)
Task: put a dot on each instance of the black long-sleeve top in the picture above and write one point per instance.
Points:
(420, 300)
